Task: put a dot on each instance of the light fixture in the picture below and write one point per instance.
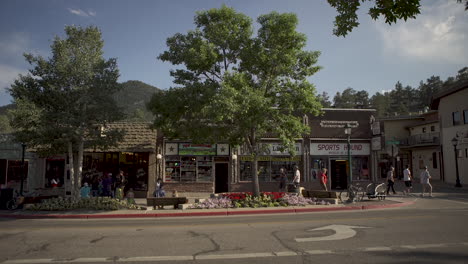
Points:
(234, 157)
(159, 156)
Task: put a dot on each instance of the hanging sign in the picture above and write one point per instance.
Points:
(273, 149)
(330, 148)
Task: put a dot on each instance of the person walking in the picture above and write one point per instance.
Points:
(407, 177)
(283, 180)
(391, 180)
(85, 190)
(425, 176)
(324, 179)
(297, 179)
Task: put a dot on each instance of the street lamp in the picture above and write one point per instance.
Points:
(348, 133)
(455, 143)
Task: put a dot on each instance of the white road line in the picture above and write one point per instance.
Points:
(371, 249)
(285, 253)
(155, 258)
(86, 260)
(319, 252)
(235, 256)
(422, 246)
(27, 261)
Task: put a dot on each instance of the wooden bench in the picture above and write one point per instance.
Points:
(162, 201)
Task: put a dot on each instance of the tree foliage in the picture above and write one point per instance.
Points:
(64, 99)
(236, 87)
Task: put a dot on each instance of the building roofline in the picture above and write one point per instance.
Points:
(446, 92)
(349, 109)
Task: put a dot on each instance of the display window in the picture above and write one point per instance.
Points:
(189, 169)
(269, 168)
(55, 171)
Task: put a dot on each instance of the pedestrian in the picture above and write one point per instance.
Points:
(391, 180)
(283, 180)
(130, 196)
(408, 180)
(159, 191)
(425, 176)
(85, 190)
(324, 179)
(297, 179)
(118, 194)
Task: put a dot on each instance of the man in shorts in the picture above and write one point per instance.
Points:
(407, 178)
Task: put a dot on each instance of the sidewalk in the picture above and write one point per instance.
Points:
(366, 204)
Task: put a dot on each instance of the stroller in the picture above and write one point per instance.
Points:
(374, 190)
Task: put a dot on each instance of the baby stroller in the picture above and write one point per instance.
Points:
(374, 190)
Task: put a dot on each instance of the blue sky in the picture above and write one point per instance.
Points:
(373, 57)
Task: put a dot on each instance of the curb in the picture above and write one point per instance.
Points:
(195, 214)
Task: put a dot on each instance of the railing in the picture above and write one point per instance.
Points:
(425, 139)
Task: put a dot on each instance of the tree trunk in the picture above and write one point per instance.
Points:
(254, 152)
(79, 166)
(71, 169)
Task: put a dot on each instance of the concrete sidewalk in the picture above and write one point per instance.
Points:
(366, 204)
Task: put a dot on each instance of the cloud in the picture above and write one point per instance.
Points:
(438, 34)
(8, 75)
(82, 13)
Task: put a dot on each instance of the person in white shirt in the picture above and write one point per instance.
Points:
(407, 178)
(425, 176)
(297, 179)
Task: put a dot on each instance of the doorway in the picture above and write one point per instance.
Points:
(339, 176)
(221, 177)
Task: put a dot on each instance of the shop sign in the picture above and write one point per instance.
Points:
(329, 148)
(189, 149)
(376, 143)
(222, 149)
(375, 128)
(272, 149)
(171, 149)
(270, 158)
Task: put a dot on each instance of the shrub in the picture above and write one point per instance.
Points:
(213, 203)
(294, 200)
(93, 203)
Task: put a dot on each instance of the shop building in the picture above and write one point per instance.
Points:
(327, 147)
(452, 106)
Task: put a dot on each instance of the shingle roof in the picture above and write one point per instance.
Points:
(139, 137)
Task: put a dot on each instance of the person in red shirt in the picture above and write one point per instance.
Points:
(324, 179)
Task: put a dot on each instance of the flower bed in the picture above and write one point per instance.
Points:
(246, 200)
(93, 203)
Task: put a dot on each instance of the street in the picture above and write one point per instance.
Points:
(432, 230)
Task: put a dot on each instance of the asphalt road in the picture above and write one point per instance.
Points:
(433, 230)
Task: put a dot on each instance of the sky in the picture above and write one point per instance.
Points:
(373, 57)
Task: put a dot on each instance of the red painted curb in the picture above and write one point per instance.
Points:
(221, 213)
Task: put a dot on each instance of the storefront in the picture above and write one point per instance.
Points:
(190, 167)
(334, 157)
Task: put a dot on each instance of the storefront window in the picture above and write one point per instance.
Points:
(15, 170)
(268, 170)
(55, 171)
(189, 169)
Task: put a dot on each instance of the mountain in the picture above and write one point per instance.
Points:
(133, 97)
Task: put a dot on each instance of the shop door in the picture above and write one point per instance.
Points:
(339, 177)
(221, 177)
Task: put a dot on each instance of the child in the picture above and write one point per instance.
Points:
(130, 196)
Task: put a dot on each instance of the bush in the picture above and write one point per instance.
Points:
(213, 203)
(93, 203)
(294, 200)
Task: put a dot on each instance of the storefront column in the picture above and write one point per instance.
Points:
(153, 163)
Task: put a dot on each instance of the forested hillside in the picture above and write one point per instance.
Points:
(133, 98)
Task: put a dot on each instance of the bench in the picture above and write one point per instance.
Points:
(162, 201)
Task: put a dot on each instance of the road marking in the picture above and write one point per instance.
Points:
(223, 256)
(235, 256)
(319, 252)
(372, 249)
(27, 261)
(422, 246)
(155, 258)
(341, 232)
(285, 253)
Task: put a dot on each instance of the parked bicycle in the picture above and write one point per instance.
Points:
(18, 200)
(354, 193)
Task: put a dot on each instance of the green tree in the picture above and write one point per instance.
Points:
(235, 87)
(426, 90)
(324, 99)
(362, 100)
(346, 99)
(381, 102)
(63, 101)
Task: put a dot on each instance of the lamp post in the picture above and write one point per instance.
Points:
(348, 133)
(455, 143)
